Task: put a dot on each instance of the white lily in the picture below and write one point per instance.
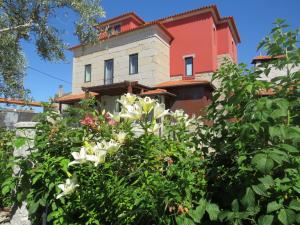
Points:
(111, 146)
(133, 112)
(147, 104)
(153, 129)
(80, 157)
(160, 111)
(120, 137)
(68, 187)
(115, 116)
(127, 99)
(98, 157)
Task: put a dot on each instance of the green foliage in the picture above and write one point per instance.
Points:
(243, 169)
(6, 151)
(37, 21)
(253, 173)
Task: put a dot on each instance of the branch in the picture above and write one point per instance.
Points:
(29, 24)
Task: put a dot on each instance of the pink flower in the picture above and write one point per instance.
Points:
(109, 120)
(88, 121)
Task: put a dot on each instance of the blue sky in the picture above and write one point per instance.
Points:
(254, 20)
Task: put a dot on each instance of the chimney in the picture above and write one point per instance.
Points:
(60, 91)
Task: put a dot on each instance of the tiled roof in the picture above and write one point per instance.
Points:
(160, 22)
(261, 58)
(157, 92)
(162, 27)
(266, 92)
(118, 18)
(182, 83)
(219, 19)
(73, 97)
(19, 102)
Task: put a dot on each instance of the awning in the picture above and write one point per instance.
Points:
(157, 92)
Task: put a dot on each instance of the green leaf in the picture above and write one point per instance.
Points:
(286, 216)
(248, 199)
(265, 220)
(260, 190)
(235, 205)
(19, 142)
(213, 211)
(273, 206)
(198, 213)
(183, 220)
(263, 163)
(267, 181)
(295, 205)
(33, 207)
(289, 148)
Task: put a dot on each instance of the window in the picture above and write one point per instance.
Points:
(117, 28)
(87, 73)
(108, 71)
(133, 64)
(189, 66)
(109, 31)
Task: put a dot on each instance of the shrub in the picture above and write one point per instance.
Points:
(6, 152)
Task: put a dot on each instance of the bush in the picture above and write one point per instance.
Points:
(6, 152)
(146, 165)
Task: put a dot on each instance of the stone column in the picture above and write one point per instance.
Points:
(25, 130)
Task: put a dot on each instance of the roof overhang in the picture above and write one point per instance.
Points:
(117, 19)
(118, 88)
(144, 26)
(183, 83)
(265, 58)
(73, 98)
(157, 92)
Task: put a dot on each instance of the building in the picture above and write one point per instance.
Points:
(172, 58)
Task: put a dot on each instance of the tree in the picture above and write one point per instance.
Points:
(32, 20)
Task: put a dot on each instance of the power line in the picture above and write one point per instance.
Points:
(48, 75)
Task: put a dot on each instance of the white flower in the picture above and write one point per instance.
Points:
(153, 129)
(98, 157)
(159, 111)
(111, 147)
(80, 157)
(147, 104)
(120, 137)
(68, 187)
(127, 99)
(133, 112)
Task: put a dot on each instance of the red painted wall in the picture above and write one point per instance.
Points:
(128, 24)
(192, 36)
(199, 36)
(226, 43)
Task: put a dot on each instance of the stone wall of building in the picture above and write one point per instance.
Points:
(149, 43)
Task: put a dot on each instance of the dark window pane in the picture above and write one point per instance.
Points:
(108, 71)
(87, 73)
(189, 66)
(118, 28)
(133, 64)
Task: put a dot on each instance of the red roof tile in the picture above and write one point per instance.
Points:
(121, 17)
(157, 92)
(73, 97)
(182, 83)
(261, 58)
(19, 102)
(133, 29)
